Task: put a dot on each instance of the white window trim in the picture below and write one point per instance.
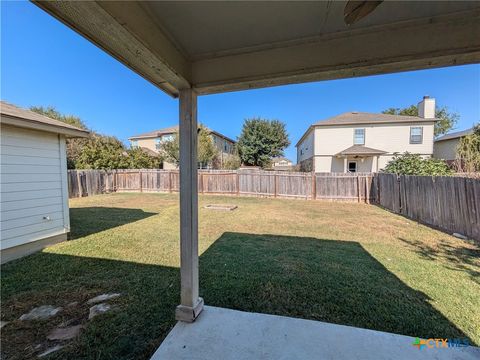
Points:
(356, 166)
(421, 134)
(354, 143)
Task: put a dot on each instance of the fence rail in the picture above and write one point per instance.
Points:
(449, 203)
(331, 186)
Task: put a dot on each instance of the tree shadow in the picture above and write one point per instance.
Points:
(464, 257)
(325, 280)
(85, 221)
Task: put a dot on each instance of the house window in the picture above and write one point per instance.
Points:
(134, 144)
(225, 146)
(352, 166)
(416, 135)
(157, 143)
(359, 137)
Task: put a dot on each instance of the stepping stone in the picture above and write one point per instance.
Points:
(98, 309)
(103, 297)
(41, 313)
(65, 333)
(51, 350)
(72, 304)
(3, 323)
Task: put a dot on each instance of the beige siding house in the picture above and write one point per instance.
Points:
(33, 181)
(152, 140)
(282, 164)
(365, 142)
(445, 147)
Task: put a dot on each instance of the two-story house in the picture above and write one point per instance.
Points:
(366, 142)
(153, 139)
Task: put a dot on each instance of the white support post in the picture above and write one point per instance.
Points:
(345, 164)
(191, 304)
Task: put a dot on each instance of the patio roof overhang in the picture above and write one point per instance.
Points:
(190, 48)
(216, 47)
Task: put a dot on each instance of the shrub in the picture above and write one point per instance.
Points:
(414, 164)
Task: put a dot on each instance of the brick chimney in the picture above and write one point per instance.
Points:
(426, 108)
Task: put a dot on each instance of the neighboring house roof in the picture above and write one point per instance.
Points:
(455, 135)
(13, 115)
(360, 150)
(171, 130)
(364, 118)
(355, 118)
(148, 151)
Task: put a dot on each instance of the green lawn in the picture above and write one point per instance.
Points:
(344, 263)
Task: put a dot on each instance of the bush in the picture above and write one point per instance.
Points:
(414, 164)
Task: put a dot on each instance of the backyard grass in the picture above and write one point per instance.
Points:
(345, 263)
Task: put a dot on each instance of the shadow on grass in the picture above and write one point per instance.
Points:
(463, 257)
(326, 280)
(90, 220)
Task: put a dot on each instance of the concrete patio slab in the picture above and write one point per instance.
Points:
(235, 335)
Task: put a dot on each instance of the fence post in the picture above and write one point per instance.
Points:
(79, 181)
(238, 182)
(140, 176)
(358, 187)
(314, 186)
(275, 181)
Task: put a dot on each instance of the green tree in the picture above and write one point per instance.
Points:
(206, 151)
(414, 164)
(261, 140)
(468, 152)
(447, 120)
(102, 152)
(139, 159)
(74, 145)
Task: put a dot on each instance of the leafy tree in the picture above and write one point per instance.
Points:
(102, 152)
(447, 120)
(206, 152)
(414, 164)
(139, 159)
(261, 140)
(51, 112)
(170, 150)
(74, 145)
(231, 162)
(468, 152)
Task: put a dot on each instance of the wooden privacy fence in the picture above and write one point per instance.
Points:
(328, 186)
(449, 203)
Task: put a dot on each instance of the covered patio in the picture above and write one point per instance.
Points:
(188, 49)
(359, 158)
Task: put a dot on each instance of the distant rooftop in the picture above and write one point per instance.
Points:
(455, 135)
(171, 130)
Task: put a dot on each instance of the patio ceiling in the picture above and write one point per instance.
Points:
(223, 46)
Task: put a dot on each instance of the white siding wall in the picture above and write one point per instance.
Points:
(330, 140)
(446, 150)
(305, 149)
(33, 186)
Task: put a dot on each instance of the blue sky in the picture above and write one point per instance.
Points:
(45, 63)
